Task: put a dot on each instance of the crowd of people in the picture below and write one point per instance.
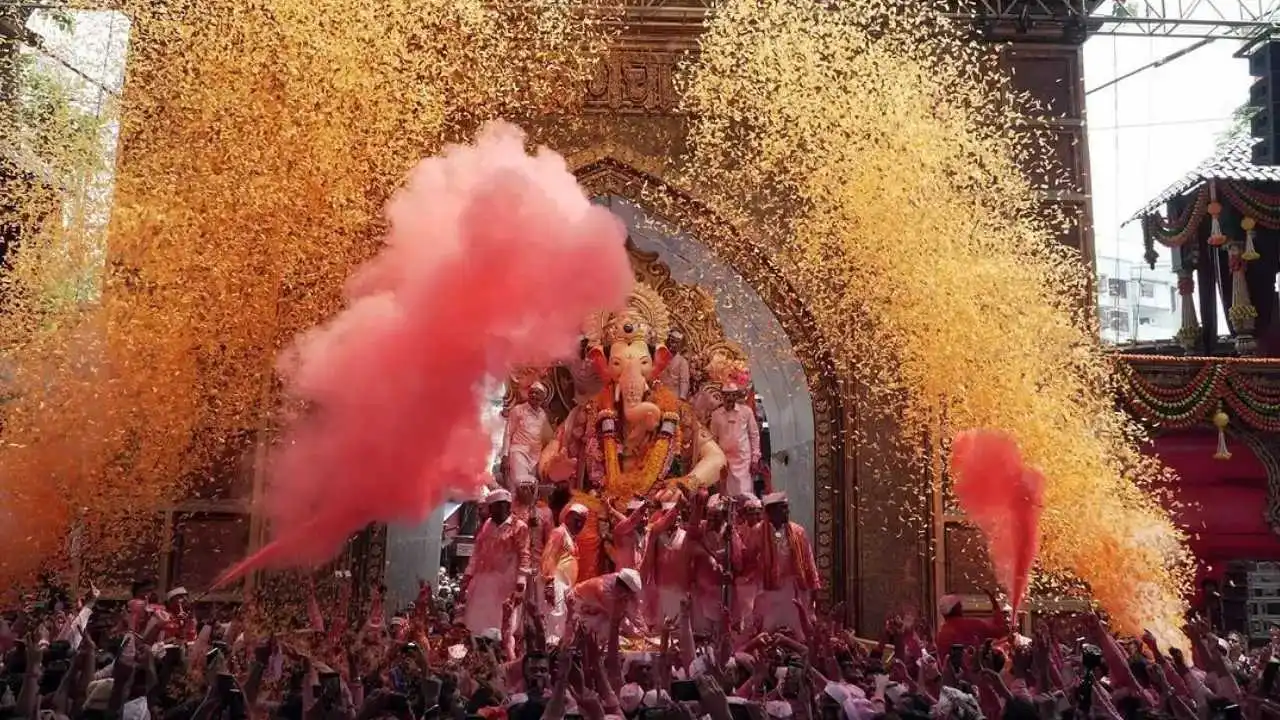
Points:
(646, 640)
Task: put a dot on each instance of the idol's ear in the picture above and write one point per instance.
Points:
(596, 357)
(661, 357)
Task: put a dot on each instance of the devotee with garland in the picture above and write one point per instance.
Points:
(784, 568)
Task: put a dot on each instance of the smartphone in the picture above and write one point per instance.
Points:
(1231, 712)
(1269, 675)
(685, 691)
(234, 702)
(739, 711)
(397, 703)
(330, 685)
(226, 682)
(172, 654)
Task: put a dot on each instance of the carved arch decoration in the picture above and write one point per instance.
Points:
(835, 528)
(1266, 446)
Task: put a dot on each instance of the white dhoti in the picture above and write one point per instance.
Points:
(522, 464)
(486, 595)
(559, 613)
(776, 609)
(738, 480)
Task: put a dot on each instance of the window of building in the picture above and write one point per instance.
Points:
(1147, 290)
(1115, 320)
(1117, 288)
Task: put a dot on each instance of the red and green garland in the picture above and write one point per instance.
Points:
(1216, 384)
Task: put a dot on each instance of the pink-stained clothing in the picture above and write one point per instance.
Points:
(598, 603)
(786, 572)
(538, 518)
(736, 432)
(676, 375)
(665, 570)
(708, 586)
(560, 571)
(522, 442)
(629, 544)
(500, 561)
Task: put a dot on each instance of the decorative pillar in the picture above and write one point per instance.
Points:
(1189, 334)
(1242, 312)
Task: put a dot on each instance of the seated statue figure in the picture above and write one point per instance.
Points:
(635, 437)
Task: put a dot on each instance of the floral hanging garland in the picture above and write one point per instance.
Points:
(1215, 385)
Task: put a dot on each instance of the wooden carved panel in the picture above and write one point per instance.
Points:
(633, 83)
(204, 545)
(968, 570)
(1049, 74)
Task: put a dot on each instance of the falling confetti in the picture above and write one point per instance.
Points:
(259, 143)
(877, 153)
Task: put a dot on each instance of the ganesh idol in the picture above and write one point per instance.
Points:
(635, 438)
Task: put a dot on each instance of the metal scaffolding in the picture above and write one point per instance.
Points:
(1197, 19)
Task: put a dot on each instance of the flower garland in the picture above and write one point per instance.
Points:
(1215, 385)
(657, 460)
(1177, 231)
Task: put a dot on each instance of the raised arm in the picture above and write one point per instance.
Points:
(710, 460)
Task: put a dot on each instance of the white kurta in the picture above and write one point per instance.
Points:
(500, 559)
(676, 375)
(522, 442)
(738, 436)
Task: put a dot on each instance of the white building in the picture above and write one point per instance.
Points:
(1136, 303)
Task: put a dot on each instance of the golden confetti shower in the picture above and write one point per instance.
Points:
(260, 140)
(880, 157)
(869, 149)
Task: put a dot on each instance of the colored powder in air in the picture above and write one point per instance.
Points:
(1004, 498)
(492, 260)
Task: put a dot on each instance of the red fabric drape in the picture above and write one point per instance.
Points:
(1221, 504)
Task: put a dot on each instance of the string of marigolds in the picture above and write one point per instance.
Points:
(1215, 387)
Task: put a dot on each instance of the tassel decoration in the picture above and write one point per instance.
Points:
(1220, 421)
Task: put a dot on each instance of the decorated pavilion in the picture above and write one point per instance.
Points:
(1211, 396)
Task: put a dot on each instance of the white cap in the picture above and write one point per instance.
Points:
(778, 498)
(176, 592)
(497, 496)
(947, 604)
(527, 480)
(577, 509)
(780, 709)
(457, 652)
(631, 578)
(630, 697)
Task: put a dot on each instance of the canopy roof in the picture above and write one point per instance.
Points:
(1230, 161)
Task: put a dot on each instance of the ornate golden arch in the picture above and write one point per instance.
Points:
(665, 203)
